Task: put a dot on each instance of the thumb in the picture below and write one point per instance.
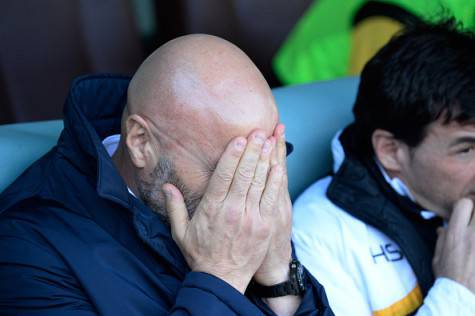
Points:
(461, 214)
(177, 212)
(439, 246)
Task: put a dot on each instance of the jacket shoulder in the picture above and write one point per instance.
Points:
(315, 215)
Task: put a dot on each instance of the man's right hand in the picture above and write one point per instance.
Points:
(455, 250)
(229, 233)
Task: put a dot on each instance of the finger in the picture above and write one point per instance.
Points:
(281, 148)
(472, 220)
(461, 215)
(284, 190)
(285, 179)
(260, 176)
(439, 244)
(177, 212)
(270, 195)
(247, 167)
(223, 175)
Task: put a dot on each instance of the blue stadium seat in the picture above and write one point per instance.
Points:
(23, 143)
(312, 113)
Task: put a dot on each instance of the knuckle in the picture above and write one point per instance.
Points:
(263, 232)
(258, 183)
(272, 193)
(235, 153)
(223, 176)
(252, 201)
(233, 215)
(246, 172)
(247, 227)
(258, 228)
(266, 201)
(240, 192)
(267, 204)
(208, 203)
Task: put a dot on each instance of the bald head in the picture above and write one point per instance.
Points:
(203, 89)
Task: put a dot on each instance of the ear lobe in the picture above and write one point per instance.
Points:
(137, 139)
(387, 148)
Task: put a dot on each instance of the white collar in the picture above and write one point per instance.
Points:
(111, 143)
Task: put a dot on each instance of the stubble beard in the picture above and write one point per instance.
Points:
(150, 190)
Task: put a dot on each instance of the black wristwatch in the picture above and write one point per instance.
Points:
(294, 286)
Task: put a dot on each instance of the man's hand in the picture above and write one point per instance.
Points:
(455, 250)
(229, 233)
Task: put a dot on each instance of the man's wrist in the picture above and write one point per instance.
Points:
(278, 275)
(237, 281)
(293, 284)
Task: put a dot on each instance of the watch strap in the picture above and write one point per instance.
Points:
(294, 286)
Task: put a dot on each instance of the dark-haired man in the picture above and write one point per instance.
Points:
(402, 170)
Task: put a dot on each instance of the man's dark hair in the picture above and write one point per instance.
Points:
(423, 74)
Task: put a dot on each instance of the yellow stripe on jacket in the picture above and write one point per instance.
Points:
(405, 306)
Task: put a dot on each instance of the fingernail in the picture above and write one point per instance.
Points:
(240, 143)
(259, 138)
(282, 131)
(167, 192)
(267, 146)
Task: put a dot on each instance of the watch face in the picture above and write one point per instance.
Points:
(299, 269)
(300, 275)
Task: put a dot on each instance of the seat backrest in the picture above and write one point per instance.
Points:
(23, 143)
(312, 113)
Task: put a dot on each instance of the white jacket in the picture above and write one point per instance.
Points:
(363, 271)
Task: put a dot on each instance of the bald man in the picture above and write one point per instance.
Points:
(166, 194)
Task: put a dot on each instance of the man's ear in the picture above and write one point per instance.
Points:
(138, 140)
(388, 150)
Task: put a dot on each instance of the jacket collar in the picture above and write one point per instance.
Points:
(92, 112)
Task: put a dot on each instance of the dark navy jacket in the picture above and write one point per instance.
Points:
(73, 241)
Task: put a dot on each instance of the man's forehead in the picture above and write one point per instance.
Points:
(446, 133)
(450, 128)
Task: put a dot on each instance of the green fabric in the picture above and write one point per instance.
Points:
(322, 59)
(318, 47)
